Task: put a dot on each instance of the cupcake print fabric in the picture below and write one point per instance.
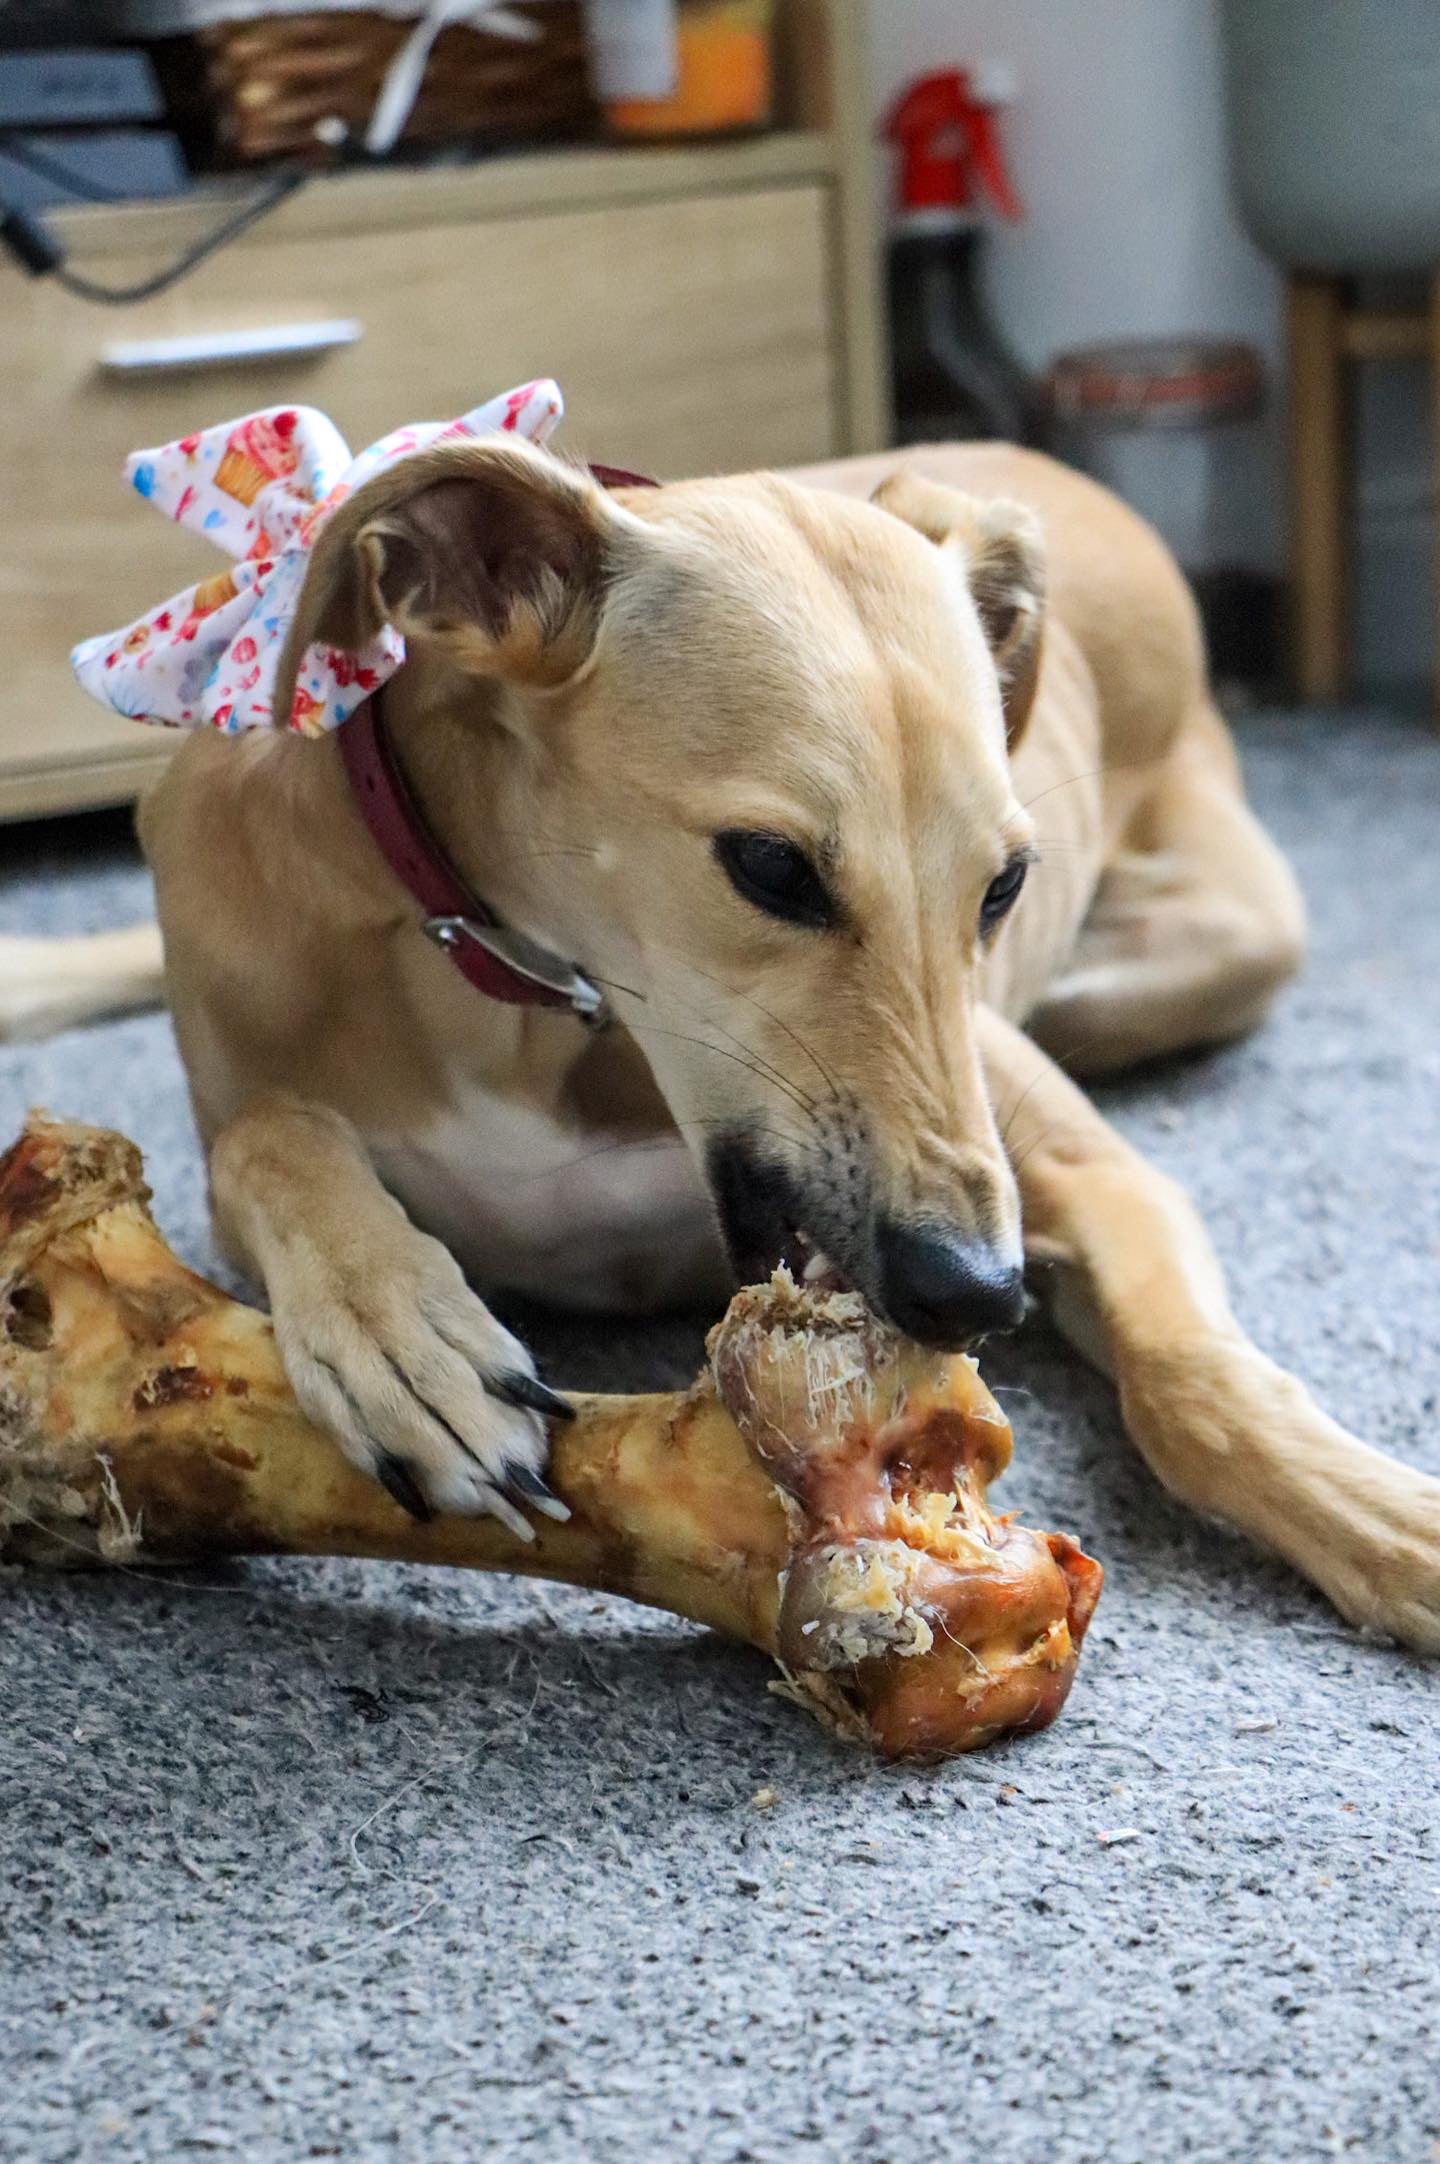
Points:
(261, 488)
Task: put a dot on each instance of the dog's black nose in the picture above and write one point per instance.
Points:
(943, 1288)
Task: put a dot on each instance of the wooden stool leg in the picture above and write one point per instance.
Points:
(1435, 397)
(1319, 486)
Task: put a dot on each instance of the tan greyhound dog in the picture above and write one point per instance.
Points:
(756, 754)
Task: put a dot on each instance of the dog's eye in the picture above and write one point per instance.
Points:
(1002, 893)
(775, 875)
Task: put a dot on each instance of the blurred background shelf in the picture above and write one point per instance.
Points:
(371, 200)
(705, 307)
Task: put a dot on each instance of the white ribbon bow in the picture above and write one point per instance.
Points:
(262, 488)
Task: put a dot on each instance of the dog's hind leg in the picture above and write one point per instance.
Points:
(52, 984)
(1134, 1281)
(1195, 925)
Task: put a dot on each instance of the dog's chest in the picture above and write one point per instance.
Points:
(582, 1218)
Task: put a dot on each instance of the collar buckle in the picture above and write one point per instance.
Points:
(524, 958)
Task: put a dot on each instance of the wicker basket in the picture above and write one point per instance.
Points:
(269, 84)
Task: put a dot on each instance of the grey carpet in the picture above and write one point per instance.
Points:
(332, 1860)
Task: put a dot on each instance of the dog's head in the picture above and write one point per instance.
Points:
(740, 748)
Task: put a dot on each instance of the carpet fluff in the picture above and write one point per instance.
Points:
(340, 1860)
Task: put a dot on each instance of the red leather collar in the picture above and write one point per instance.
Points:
(620, 477)
(502, 963)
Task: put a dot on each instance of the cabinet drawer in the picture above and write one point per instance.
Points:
(689, 335)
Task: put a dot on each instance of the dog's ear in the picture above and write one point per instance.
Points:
(1004, 555)
(493, 551)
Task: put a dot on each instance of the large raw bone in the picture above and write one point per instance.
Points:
(820, 1491)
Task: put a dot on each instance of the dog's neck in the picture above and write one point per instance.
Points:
(471, 779)
(474, 779)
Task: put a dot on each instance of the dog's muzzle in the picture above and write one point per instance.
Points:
(944, 1287)
(940, 1283)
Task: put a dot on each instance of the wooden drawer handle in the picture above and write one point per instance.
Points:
(270, 343)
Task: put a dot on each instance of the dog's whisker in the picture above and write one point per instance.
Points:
(1058, 1059)
(612, 984)
(1028, 1152)
(1015, 1109)
(733, 992)
(1078, 1048)
(550, 845)
(746, 1058)
(1094, 773)
(650, 1145)
(710, 1020)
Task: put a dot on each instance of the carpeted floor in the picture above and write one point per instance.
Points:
(344, 1861)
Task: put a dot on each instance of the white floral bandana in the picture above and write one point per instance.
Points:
(261, 488)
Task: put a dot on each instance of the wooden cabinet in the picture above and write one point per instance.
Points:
(703, 309)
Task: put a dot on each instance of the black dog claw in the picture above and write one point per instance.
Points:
(527, 1487)
(529, 1393)
(395, 1476)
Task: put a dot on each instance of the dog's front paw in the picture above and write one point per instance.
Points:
(418, 1382)
(1236, 1437)
(1383, 1570)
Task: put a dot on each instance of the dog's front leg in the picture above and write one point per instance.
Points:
(383, 1341)
(1135, 1283)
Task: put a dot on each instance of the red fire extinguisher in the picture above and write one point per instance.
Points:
(953, 373)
